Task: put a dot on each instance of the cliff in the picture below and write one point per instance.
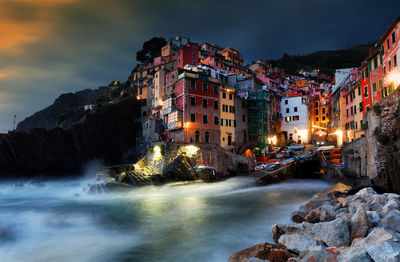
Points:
(377, 155)
(66, 110)
(109, 135)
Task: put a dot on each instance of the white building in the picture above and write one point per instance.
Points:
(296, 123)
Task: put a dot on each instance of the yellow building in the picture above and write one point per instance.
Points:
(228, 122)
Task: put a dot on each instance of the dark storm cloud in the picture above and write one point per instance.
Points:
(51, 47)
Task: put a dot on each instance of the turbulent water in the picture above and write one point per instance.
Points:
(175, 222)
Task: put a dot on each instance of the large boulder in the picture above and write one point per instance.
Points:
(365, 194)
(280, 229)
(382, 245)
(265, 251)
(326, 213)
(354, 254)
(334, 233)
(359, 224)
(301, 242)
(319, 255)
(298, 216)
(392, 220)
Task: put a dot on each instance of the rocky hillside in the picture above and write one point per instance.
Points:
(66, 110)
(109, 135)
(326, 61)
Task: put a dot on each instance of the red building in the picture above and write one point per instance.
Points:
(192, 107)
(365, 87)
(187, 55)
(389, 49)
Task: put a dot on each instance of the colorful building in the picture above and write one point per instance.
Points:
(228, 118)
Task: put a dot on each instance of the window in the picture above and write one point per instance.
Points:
(222, 122)
(317, 119)
(375, 62)
(361, 107)
(204, 102)
(287, 119)
(230, 122)
(351, 109)
(231, 109)
(287, 110)
(304, 100)
(316, 104)
(366, 91)
(207, 137)
(197, 137)
(388, 45)
(215, 89)
(226, 122)
(205, 88)
(205, 119)
(244, 118)
(359, 90)
(347, 100)
(393, 37)
(380, 84)
(192, 118)
(296, 118)
(192, 85)
(374, 87)
(243, 104)
(286, 102)
(215, 104)
(347, 112)
(323, 118)
(193, 101)
(384, 70)
(223, 95)
(216, 121)
(295, 109)
(230, 96)
(173, 75)
(390, 65)
(316, 112)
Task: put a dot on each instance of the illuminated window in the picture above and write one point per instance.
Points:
(287, 119)
(296, 118)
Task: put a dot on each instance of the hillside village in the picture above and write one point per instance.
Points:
(205, 93)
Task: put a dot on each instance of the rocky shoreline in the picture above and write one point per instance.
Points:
(337, 225)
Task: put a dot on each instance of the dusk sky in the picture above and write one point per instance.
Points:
(50, 47)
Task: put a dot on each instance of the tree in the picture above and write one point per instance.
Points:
(151, 49)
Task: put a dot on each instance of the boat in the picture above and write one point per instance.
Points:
(206, 172)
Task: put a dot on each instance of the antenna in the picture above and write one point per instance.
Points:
(15, 116)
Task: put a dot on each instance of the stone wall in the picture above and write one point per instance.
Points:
(377, 155)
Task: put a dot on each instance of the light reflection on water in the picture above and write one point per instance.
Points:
(175, 222)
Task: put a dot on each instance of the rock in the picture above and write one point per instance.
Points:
(312, 217)
(280, 229)
(365, 193)
(377, 199)
(384, 251)
(298, 216)
(353, 206)
(265, 251)
(380, 234)
(376, 207)
(392, 221)
(318, 256)
(392, 204)
(301, 242)
(374, 218)
(389, 196)
(333, 233)
(327, 213)
(311, 205)
(345, 216)
(342, 210)
(354, 254)
(343, 201)
(359, 224)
